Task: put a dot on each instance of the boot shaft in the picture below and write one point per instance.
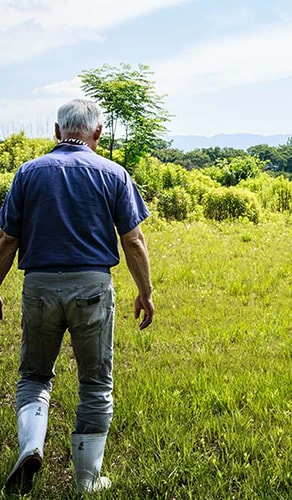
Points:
(87, 456)
(32, 421)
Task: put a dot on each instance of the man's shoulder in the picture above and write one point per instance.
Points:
(109, 165)
(84, 158)
(35, 162)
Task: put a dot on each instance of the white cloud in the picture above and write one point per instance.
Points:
(31, 27)
(89, 13)
(230, 62)
(65, 87)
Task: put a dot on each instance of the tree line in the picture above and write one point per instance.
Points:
(277, 158)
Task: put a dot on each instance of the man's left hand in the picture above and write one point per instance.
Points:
(148, 307)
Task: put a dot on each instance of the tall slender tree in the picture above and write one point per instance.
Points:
(134, 112)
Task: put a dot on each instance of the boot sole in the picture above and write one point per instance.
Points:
(21, 480)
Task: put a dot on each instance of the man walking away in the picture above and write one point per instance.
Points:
(62, 214)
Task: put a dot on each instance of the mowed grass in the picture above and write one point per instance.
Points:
(203, 406)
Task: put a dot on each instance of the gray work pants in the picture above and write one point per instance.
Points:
(83, 303)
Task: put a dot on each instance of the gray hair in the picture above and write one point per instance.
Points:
(79, 116)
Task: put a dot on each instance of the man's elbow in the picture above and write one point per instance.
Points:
(8, 244)
(133, 239)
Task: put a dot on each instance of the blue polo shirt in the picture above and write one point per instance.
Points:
(66, 207)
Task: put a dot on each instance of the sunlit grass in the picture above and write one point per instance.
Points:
(203, 405)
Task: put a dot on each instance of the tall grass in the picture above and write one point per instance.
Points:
(203, 406)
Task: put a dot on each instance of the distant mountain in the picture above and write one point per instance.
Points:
(238, 141)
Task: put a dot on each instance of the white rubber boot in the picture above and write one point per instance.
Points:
(87, 456)
(32, 420)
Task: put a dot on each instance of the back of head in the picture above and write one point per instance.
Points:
(79, 116)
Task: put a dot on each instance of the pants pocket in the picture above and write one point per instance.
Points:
(89, 308)
(32, 309)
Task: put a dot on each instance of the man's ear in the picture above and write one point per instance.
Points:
(97, 133)
(57, 131)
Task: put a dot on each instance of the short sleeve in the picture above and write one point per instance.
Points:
(130, 209)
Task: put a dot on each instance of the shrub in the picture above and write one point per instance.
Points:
(274, 193)
(262, 186)
(231, 172)
(231, 203)
(18, 149)
(148, 177)
(5, 183)
(281, 194)
(200, 183)
(175, 203)
(153, 177)
(175, 175)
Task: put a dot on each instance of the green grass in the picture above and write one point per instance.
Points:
(203, 406)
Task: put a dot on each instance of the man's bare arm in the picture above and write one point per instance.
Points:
(136, 253)
(8, 249)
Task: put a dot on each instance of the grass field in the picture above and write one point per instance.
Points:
(203, 406)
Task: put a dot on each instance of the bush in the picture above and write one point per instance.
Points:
(153, 177)
(231, 203)
(281, 194)
(148, 177)
(262, 186)
(174, 175)
(274, 193)
(17, 149)
(175, 203)
(231, 172)
(200, 184)
(5, 183)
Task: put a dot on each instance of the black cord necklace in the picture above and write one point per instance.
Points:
(70, 140)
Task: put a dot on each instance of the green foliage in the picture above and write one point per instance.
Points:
(282, 194)
(274, 193)
(192, 160)
(217, 153)
(5, 183)
(129, 99)
(179, 192)
(148, 177)
(262, 186)
(197, 158)
(230, 173)
(277, 158)
(17, 149)
(200, 183)
(175, 204)
(153, 176)
(174, 191)
(266, 153)
(174, 175)
(231, 203)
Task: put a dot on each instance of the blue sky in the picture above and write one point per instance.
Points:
(225, 65)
